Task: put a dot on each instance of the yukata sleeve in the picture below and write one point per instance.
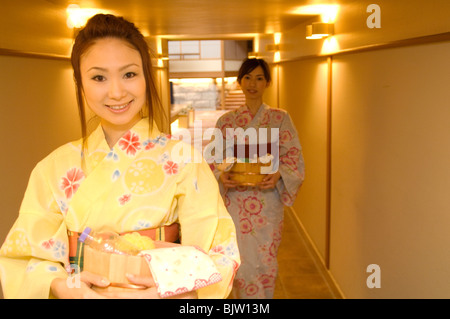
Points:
(36, 247)
(205, 223)
(291, 164)
(217, 150)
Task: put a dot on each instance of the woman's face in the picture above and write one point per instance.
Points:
(113, 83)
(253, 84)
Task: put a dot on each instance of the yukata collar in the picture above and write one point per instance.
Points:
(97, 140)
(261, 109)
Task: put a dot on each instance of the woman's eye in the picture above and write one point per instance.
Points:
(130, 75)
(99, 78)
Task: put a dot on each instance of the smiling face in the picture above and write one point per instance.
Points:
(253, 84)
(114, 85)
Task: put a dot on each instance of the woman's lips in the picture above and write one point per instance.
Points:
(120, 107)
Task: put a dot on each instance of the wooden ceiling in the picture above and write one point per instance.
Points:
(40, 25)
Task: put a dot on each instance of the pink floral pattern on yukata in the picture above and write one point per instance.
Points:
(71, 182)
(257, 286)
(243, 119)
(149, 146)
(265, 119)
(258, 215)
(277, 117)
(252, 205)
(171, 168)
(130, 143)
(48, 244)
(124, 199)
(285, 137)
(57, 248)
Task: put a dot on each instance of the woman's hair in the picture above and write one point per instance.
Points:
(250, 64)
(104, 26)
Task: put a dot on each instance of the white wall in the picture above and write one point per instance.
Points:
(37, 114)
(390, 145)
(390, 171)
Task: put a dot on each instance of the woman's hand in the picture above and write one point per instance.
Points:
(269, 181)
(149, 293)
(227, 182)
(80, 288)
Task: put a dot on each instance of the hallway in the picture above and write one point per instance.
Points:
(299, 277)
(369, 101)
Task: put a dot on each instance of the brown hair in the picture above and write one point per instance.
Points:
(107, 25)
(249, 65)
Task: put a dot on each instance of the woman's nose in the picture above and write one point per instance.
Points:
(116, 89)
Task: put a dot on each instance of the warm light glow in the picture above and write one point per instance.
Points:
(256, 44)
(159, 51)
(277, 56)
(277, 38)
(315, 37)
(193, 80)
(77, 17)
(227, 80)
(230, 79)
(159, 45)
(327, 12)
(144, 32)
(174, 126)
(330, 45)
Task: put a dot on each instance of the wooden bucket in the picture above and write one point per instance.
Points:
(115, 267)
(248, 174)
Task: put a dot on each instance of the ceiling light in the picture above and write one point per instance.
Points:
(328, 12)
(77, 17)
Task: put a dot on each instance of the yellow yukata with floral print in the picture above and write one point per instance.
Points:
(138, 184)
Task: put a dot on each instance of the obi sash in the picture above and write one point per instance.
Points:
(76, 248)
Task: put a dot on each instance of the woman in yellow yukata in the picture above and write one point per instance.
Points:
(125, 176)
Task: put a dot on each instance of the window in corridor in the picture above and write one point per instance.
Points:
(195, 50)
(202, 74)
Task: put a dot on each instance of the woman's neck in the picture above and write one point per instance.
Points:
(113, 133)
(253, 105)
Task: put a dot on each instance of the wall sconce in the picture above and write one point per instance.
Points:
(272, 47)
(163, 57)
(275, 48)
(319, 30)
